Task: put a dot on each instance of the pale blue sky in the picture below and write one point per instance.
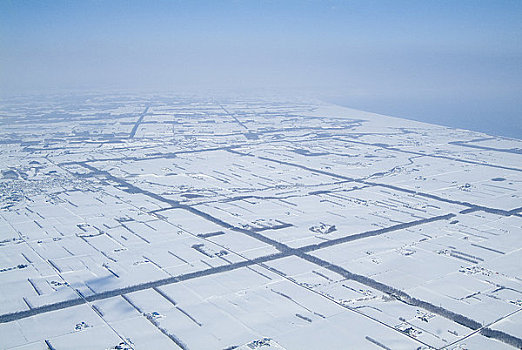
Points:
(453, 62)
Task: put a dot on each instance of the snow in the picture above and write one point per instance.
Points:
(196, 224)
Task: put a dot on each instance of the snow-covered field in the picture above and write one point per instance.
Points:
(158, 222)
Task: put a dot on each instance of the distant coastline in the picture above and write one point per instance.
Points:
(491, 117)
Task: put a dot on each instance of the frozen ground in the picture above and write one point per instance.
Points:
(157, 222)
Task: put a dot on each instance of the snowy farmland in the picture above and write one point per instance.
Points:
(171, 222)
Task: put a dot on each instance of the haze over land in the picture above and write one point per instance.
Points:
(447, 62)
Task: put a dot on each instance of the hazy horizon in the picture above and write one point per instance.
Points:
(452, 63)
